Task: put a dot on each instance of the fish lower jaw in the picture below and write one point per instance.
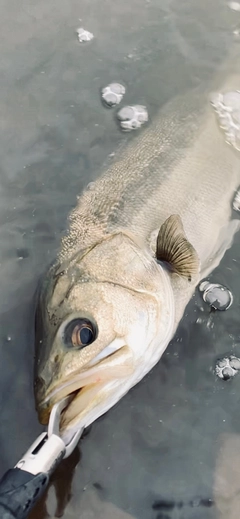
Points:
(91, 403)
(94, 401)
(45, 410)
(87, 384)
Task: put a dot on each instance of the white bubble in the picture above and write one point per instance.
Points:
(84, 35)
(132, 117)
(234, 362)
(227, 107)
(216, 295)
(113, 93)
(227, 367)
(236, 201)
(235, 6)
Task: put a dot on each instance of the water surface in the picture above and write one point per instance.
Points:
(157, 454)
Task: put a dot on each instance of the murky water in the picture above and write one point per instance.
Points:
(170, 448)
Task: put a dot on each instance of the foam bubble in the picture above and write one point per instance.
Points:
(132, 117)
(235, 6)
(227, 107)
(216, 295)
(227, 367)
(236, 201)
(84, 35)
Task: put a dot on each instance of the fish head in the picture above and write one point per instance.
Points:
(102, 319)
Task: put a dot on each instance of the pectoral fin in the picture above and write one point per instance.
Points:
(174, 248)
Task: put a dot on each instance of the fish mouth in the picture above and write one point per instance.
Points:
(86, 389)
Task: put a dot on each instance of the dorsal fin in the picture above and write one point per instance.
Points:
(174, 248)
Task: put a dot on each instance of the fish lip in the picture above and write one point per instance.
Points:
(56, 395)
(44, 410)
(75, 385)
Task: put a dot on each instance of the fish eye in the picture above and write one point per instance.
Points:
(79, 333)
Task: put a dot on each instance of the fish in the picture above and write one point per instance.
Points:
(140, 239)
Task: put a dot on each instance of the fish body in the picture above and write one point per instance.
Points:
(140, 239)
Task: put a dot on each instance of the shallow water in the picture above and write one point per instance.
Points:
(169, 449)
